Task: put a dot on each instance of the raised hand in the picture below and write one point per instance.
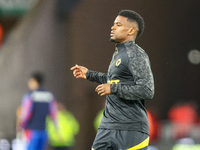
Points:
(79, 71)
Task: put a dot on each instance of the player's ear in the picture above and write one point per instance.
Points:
(132, 31)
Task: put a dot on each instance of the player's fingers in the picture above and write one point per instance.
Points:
(98, 88)
(74, 67)
(103, 94)
(75, 72)
(79, 76)
(100, 92)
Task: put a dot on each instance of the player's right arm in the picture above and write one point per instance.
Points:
(94, 76)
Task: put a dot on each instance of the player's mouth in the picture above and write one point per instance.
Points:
(111, 33)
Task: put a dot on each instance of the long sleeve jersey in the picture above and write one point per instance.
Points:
(132, 82)
(36, 105)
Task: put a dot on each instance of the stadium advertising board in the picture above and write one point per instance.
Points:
(14, 8)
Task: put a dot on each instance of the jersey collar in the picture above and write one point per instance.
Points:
(119, 46)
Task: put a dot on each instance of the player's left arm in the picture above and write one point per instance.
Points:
(143, 78)
(26, 110)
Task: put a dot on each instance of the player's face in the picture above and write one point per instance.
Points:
(120, 30)
(32, 84)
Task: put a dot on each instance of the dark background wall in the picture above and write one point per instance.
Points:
(172, 30)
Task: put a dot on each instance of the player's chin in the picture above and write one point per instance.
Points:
(112, 39)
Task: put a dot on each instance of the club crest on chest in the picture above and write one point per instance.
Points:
(118, 62)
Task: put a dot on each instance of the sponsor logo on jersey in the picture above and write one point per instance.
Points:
(113, 81)
(44, 97)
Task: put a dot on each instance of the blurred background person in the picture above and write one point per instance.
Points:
(154, 126)
(98, 119)
(183, 117)
(36, 105)
(68, 127)
(155, 129)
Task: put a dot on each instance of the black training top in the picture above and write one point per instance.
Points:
(132, 82)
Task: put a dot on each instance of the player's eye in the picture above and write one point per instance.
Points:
(118, 24)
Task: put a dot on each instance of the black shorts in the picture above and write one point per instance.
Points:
(120, 140)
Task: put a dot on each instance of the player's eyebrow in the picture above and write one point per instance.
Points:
(118, 23)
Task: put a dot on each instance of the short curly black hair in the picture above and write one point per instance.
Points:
(132, 16)
(38, 76)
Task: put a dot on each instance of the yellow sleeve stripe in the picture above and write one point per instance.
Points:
(141, 145)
